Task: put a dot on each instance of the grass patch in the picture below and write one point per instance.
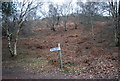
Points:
(21, 56)
(50, 62)
(112, 44)
(71, 64)
(66, 69)
(73, 71)
(38, 61)
(81, 67)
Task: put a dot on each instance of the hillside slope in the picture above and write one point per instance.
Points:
(83, 56)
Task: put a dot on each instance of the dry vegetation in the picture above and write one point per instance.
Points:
(83, 56)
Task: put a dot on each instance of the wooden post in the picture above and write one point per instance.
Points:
(60, 56)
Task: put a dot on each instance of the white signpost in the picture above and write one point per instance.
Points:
(60, 54)
(55, 49)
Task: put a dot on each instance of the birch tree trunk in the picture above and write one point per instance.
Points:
(12, 41)
(12, 18)
(9, 35)
(9, 43)
(15, 44)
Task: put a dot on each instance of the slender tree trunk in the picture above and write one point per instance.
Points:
(75, 26)
(115, 16)
(15, 49)
(118, 25)
(9, 36)
(92, 27)
(53, 28)
(65, 25)
(115, 30)
(15, 43)
(12, 45)
(16, 37)
(9, 43)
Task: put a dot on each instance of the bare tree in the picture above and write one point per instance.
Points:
(89, 10)
(53, 16)
(65, 12)
(76, 16)
(24, 9)
(114, 11)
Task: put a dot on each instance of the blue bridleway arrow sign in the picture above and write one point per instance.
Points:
(55, 49)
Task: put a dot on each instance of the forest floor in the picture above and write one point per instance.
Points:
(84, 56)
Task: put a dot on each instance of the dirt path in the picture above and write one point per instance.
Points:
(19, 73)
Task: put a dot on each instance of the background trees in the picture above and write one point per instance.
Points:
(89, 10)
(53, 16)
(114, 11)
(14, 16)
(76, 16)
(17, 14)
(65, 11)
